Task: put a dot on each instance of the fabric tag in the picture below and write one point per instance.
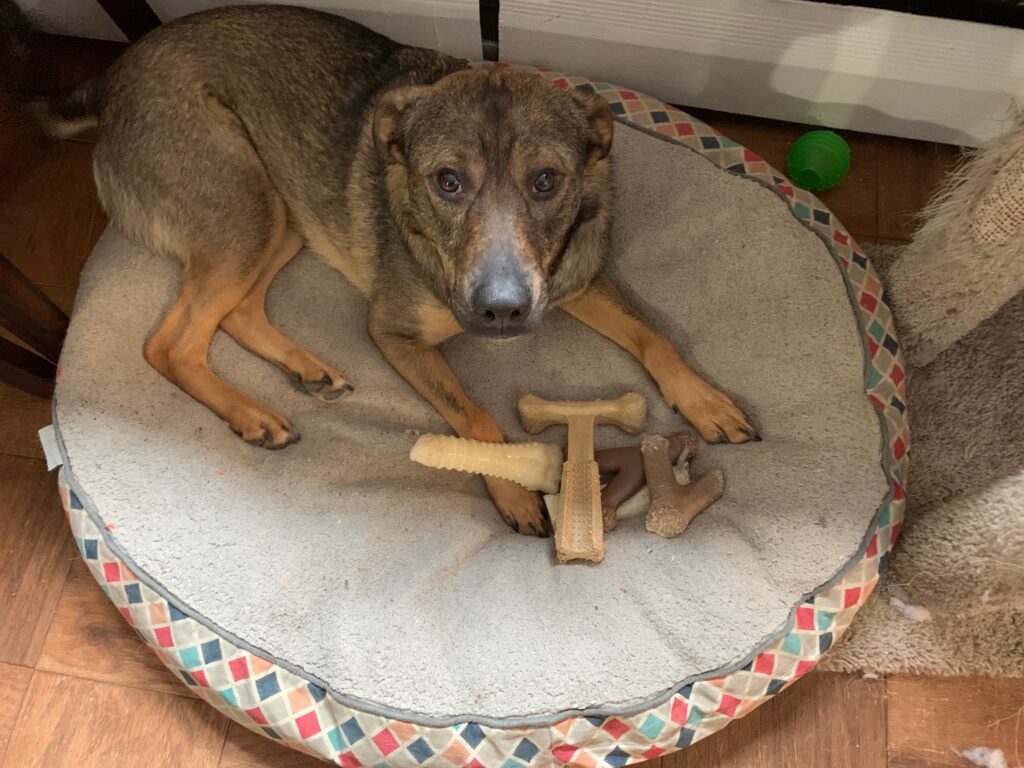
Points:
(49, 440)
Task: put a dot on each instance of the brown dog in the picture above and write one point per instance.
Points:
(454, 198)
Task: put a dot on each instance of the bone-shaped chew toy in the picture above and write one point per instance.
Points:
(581, 533)
(536, 466)
(626, 465)
(673, 506)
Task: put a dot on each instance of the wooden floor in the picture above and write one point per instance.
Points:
(83, 692)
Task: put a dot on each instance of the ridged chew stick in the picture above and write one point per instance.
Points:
(673, 506)
(535, 466)
(580, 535)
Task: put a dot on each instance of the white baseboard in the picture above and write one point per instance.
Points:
(855, 68)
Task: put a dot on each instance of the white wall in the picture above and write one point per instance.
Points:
(452, 26)
(78, 18)
(838, 66)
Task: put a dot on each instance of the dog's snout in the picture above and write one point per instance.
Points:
(502, 305)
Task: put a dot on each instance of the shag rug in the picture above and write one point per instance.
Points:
(961, 553)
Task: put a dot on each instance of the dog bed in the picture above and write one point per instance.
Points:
(340, 599)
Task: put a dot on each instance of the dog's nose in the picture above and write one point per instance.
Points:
(501, 305)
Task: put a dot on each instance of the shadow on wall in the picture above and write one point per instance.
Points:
(817, 86)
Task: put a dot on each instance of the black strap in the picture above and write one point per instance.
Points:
(133, 17)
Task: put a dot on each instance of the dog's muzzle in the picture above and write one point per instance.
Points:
(500, 306)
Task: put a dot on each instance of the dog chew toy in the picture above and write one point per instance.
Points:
(636, 505)
(818, 160)
(673, 506)
(623, 468)
(535, 466)
(580, 536)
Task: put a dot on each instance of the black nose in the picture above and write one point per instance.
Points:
(501, 305)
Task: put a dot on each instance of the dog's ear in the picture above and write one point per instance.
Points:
(389, 120)
(602, 124)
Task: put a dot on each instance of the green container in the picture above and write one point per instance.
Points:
(818, 160)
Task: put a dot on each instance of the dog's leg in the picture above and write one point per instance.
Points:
(425, 368)
(210, 289)
(249, 326)
(710, 411)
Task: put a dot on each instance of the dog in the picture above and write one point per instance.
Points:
(455, 198)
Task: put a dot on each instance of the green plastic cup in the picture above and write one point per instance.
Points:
(818, 160)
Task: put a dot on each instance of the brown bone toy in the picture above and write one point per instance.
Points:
(580, 536)
(626, 467)
(673, 506)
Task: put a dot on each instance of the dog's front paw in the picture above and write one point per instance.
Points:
(323, 383)
(523, 510)
(260, 426)
(717, 418)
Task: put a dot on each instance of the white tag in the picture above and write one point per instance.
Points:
(49, 440)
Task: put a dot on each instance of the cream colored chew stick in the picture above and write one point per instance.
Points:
(581, 533)
(535, 466)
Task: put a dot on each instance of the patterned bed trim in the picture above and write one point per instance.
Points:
(287, 707)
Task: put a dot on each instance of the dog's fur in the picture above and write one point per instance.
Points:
(230, 138)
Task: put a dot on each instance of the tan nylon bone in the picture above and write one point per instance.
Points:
(580, 535)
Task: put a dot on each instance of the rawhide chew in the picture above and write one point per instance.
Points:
(535, 466)
(673, 506)
(581, 533)
(623, 470)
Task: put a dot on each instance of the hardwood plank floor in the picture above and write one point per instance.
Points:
(21, 417)
(826, 719)
(49, 236)
(87, 638)
(70, 723)
(35, 553)
(15, 680)
(933, 721)
(913, 172)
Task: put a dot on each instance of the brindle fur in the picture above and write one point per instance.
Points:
(229, 139)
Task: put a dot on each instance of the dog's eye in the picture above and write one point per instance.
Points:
(448, 181)
(544, 182)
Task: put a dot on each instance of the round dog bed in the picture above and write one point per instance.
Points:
(361, 608)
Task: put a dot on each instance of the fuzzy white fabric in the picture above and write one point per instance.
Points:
(399, 585)
(961, 554)
(967, 259)
(985, 757)
(912, 612)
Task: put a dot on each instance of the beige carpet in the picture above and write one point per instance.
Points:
(961, 555)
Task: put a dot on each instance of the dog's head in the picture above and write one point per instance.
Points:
(490, 174)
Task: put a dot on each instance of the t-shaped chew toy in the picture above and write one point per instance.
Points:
(673, 506)
(580, 536)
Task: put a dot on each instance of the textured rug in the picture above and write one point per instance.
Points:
(961, 553)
